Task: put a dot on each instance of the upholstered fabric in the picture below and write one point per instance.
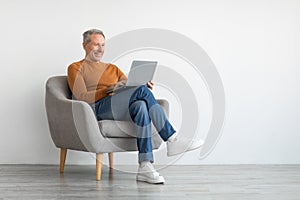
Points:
(73, 125)
(119, 129)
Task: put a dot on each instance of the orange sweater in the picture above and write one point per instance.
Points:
(88, 81)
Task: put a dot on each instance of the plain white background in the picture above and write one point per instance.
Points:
(255, 46)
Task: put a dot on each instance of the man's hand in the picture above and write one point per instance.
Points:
(150, 85)
(118, 84)
(121, 83)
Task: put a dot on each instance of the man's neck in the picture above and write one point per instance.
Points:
(92, 61)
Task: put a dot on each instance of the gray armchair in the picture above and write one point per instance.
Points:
(73, 126)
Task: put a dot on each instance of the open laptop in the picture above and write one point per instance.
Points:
(140, 73)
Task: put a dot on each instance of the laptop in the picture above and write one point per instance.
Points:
(141, 72)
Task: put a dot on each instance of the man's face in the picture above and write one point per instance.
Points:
(95, 48)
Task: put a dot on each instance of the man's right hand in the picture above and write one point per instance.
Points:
(118, 84)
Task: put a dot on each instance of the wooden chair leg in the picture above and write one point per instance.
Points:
(111, 160)
(63, 154)
(99, 158)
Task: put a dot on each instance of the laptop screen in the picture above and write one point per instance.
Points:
(141, 72)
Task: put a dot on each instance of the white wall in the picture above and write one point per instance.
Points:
(255, 46)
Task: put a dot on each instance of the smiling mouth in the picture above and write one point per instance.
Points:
(97, 53)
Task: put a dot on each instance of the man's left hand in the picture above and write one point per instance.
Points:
(150, 85)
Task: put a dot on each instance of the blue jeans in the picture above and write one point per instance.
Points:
(139, 105)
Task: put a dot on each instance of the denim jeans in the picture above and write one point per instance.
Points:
(139, 105)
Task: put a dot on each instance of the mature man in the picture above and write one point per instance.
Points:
(90, 79)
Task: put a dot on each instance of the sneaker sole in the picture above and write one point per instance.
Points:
(145, 179)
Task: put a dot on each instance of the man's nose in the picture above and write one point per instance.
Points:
(100, 48)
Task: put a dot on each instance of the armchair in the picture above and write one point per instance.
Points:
(73, 126)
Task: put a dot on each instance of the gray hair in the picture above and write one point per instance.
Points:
(87, 35)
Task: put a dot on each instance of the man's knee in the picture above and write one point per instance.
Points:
(143, 88)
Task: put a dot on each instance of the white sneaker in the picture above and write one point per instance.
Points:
(180, 145)
(147, 173)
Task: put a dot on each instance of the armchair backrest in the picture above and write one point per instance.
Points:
(58, 87)
(58, 102)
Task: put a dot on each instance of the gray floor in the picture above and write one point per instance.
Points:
(280, 182)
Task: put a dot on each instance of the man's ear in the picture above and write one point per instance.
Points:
(83, 45)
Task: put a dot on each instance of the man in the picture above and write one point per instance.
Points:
(90, 79)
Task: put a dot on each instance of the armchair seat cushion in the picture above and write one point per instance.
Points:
(119, 129)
